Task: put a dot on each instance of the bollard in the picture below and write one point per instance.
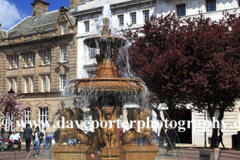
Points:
(216, 154)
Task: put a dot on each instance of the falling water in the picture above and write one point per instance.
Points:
(90, 96)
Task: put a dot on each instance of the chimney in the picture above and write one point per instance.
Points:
(74, 3)
(39, 7)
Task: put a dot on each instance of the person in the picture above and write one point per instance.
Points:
(15, 139)
(220, 139)
(44, 138)
(56, 135)
(27, 135)
(1, 143)
(141, 139)
(38, 136)
(89, 134)
(121, 135)
(48, 138)
(171, 137)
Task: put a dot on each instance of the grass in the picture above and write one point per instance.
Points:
(5, 146)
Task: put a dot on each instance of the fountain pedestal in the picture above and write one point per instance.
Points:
(79, 151)
(110, 154)
(134, 152)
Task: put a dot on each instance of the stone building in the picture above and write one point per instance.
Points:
(136, 12)
(38, 57)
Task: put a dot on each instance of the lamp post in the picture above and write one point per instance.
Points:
(11, 94)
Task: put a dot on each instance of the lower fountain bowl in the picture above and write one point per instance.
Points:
(108, 84)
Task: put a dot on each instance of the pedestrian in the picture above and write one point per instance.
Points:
(38, 136)
(27, 135)
(1, 143)
(44, 137)
(15, 139)
(48, 138)
(171, 137)
(143, 139)
(89, 134)
(56, 135)
(220, 139)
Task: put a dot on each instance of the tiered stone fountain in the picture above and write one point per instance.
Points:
(106, 96)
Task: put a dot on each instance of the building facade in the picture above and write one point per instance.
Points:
(136, 12)
(45, 50)
(38, 57)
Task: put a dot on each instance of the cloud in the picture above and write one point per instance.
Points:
(9, 14)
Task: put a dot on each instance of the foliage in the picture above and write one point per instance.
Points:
(11, 107)
(189, 60)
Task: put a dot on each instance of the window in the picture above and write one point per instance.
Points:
(86, 24)
(17, 59)
(49, 56)
(15, 89)
(63, 81)
(49, 83)
(26, 116)
(92, 53)
(181, 10)
(32, 82)
(63, 29)
(90, 74)
(26, 85)
(146, 15)
(63, 56)
(10, 61)
(8, 124)
(26, 60)
(211, 5)
(10, 83)
(43, 57)
(121, 20)
(43, 83)
(43, 117)
(133, 18)
(33, 59)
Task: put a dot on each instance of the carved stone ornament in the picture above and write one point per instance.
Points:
(63, 18)
(61, 69)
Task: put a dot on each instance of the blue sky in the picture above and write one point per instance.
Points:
(13, 11)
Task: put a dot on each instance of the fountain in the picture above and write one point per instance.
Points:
(106, 96)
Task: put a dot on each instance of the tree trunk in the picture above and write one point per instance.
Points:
(214, 138)
(211, 110)
(2, 130)
(215, 130)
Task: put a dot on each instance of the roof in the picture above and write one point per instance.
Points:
(45, 22)
(98, 3)
(2, 34)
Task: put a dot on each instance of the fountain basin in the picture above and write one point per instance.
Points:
(108, 84)
(110, 41)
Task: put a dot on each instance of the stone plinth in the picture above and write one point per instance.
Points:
(131, 152)
(128, 152)
(110, 154)
(79, 151)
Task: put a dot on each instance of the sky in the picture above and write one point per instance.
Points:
(13, 11)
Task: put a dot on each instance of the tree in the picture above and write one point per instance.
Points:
(191, 60)
(11, 107)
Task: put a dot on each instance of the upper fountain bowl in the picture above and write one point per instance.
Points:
(110, 41)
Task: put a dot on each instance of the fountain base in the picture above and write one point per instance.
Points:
(131, 152)
(127, 152)
(79, 151)
(110, 154)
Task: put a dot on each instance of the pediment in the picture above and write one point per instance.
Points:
(62, 69)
